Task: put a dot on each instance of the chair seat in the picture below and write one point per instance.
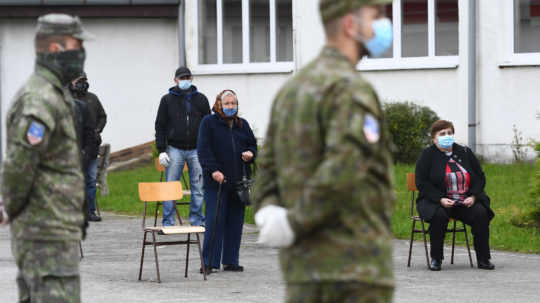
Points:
(186, 192)
(174, 230)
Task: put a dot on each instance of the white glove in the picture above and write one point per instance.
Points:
(275, 230)
(164, 159)
(4, 219)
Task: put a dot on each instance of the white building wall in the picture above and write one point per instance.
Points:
(130, 65)
(507, 96)
(132, 62)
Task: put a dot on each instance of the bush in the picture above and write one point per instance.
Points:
(535, 190)
(409, 125)
(530, 217)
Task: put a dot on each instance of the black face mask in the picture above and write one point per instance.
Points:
(68, 65)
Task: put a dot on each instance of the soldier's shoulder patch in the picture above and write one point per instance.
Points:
(35, 133)
(371, 129)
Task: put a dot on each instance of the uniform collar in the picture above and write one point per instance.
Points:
(49, 76)
(338, 57)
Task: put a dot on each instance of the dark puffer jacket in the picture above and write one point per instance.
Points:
(430, 179)
(179, 117)
(220, 148)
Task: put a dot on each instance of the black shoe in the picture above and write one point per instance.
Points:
(92, 217)
(486, 265)
(209, 269)
(435, 265)
(231, 267)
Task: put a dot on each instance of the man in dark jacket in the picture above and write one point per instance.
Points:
(177, 126)
(96, 122)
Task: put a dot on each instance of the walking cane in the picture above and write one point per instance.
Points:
(213, 237)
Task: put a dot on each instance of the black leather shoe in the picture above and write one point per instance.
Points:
(92, 217)
(209, 270)
(232, 267)
(486, 265)
(435, 265)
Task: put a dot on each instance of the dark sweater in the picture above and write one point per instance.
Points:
(220, 148)
(430, 179)
(96, 120)
(179, 117)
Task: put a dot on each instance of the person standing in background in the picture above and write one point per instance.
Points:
(177, 126)
(97, 118)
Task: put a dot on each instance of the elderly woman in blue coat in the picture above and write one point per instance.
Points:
(226, 145)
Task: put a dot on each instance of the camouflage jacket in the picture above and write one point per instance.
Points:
(43, 183)
(326, 158)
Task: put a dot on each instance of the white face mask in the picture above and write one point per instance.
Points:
(184, 84)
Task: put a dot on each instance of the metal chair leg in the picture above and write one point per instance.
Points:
(187, 254)
(142, 255)
(411, 243)
(453, 242)
(156, 255)
(467, 242)
(80, 248)
(425, 243)
(201, 256)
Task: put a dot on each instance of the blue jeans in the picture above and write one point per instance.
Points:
(91, 185)
(173, 172)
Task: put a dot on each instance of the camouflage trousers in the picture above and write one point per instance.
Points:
(338, 292)
(48, 271)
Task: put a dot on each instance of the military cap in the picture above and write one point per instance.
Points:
(63, 25)
(332, 9)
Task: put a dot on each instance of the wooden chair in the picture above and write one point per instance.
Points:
(156, 192)
(185, 185)
(411, 186)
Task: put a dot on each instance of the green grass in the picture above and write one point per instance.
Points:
(507, 185)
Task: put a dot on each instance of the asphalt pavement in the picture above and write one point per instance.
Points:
(112, 252)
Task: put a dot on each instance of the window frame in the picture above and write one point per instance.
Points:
(246, 67)
(397, 62)
(511, 58)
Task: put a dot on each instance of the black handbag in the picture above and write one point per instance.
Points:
(243, 187)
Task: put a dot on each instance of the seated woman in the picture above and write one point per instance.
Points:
(451, 184)
(225, 145)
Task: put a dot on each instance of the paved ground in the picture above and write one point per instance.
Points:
(112, 252)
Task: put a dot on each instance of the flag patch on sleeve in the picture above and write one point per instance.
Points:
(35, 133)
(371, 129)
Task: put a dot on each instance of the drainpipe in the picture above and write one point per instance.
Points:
(181, 33)
(472, 76)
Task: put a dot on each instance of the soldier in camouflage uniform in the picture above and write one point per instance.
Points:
(43, 183)
(323, 192)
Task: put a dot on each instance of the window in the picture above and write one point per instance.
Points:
(527, 26)
(426, 35)
(522, 33)
(242, 36)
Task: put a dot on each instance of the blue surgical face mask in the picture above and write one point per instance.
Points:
(446, 141)
(229, 112)
(184, 84)
(382, 40)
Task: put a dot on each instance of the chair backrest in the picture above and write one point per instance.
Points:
(411, 184)
(160, 191)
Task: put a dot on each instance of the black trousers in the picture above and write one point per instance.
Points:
(476, 216)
